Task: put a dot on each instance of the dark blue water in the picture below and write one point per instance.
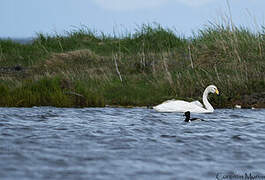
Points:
(119, 143)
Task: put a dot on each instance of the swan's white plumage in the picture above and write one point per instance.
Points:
(180, 106)
(193, 107)
(197, 103)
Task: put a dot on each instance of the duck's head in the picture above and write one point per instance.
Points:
(187, 114)
(213, 89)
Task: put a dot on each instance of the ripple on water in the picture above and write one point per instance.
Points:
(237, 138)
(167, 136)
(236, 116)
(119, 143)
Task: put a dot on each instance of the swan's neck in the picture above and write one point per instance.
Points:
(206, 103)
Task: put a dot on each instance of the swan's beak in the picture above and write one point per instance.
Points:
(217, 92)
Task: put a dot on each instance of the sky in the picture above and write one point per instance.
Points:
(26, 18)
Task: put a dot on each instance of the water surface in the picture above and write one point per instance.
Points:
(120, 143)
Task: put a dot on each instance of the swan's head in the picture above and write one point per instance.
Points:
(213, 89)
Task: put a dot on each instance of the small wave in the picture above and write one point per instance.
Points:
(168, 136)
(238, 116)
(237, 138)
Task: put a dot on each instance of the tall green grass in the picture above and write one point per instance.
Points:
(83, 68)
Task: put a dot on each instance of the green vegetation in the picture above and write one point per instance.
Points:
(84, 68)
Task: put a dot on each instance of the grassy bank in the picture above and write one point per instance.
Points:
(84, 68)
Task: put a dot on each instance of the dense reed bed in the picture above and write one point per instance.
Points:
(83, 68)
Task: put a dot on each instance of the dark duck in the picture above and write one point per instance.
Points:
(188, 119)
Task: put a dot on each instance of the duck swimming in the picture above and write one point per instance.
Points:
(188, 119)
(194, 106)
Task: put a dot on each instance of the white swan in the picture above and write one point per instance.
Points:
(193, 107)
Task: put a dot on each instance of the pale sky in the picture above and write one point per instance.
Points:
(25, 18)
